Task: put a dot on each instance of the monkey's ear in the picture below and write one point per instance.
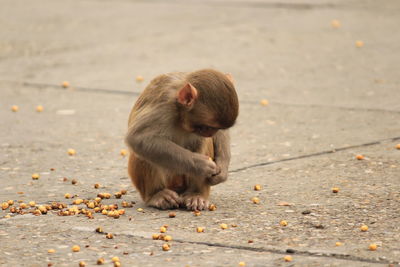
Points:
(230, 77)
(187, 95)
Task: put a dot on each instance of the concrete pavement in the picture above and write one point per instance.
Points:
(328, 101)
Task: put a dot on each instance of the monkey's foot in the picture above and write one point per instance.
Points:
(165, 199)
(195, 202)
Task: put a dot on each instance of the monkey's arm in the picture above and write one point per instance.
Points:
(162, 152)
(222, 156)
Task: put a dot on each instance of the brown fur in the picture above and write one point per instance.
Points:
(169, 163)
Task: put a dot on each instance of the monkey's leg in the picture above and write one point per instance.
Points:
(198, 189)
(151, 184)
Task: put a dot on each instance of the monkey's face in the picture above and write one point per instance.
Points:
(201, 122)
(204, 130)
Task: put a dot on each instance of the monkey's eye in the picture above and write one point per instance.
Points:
(203, 128)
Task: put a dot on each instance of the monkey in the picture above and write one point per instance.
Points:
(178, 138)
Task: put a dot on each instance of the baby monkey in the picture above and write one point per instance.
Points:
(178, 138)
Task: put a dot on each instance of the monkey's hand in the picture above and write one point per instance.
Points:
(203, 166)
(218, 178)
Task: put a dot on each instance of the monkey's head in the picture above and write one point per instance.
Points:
(207, 102)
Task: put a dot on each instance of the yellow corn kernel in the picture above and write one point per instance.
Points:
(65, 84)
(287, 258)
(264, 102)
(4, 205)
(71, 152)
(359, 157)
(359, 43)
(123, 152)
(39, 108)
(139, 78)
(335, 190)
(223, 226)
(335, 24)
(283, 223)
(255, 200)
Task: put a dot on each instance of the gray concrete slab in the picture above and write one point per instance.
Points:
(328, 101)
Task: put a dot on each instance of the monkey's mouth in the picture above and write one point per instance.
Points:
(206, 134)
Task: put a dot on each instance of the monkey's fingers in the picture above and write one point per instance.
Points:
(165, 199)
(196, 203)
(174, 201)
(218, 171)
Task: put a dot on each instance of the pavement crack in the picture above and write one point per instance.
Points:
(255, 4)
(291, 251)
(393, 139)
(133, 93)
(323, 106)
